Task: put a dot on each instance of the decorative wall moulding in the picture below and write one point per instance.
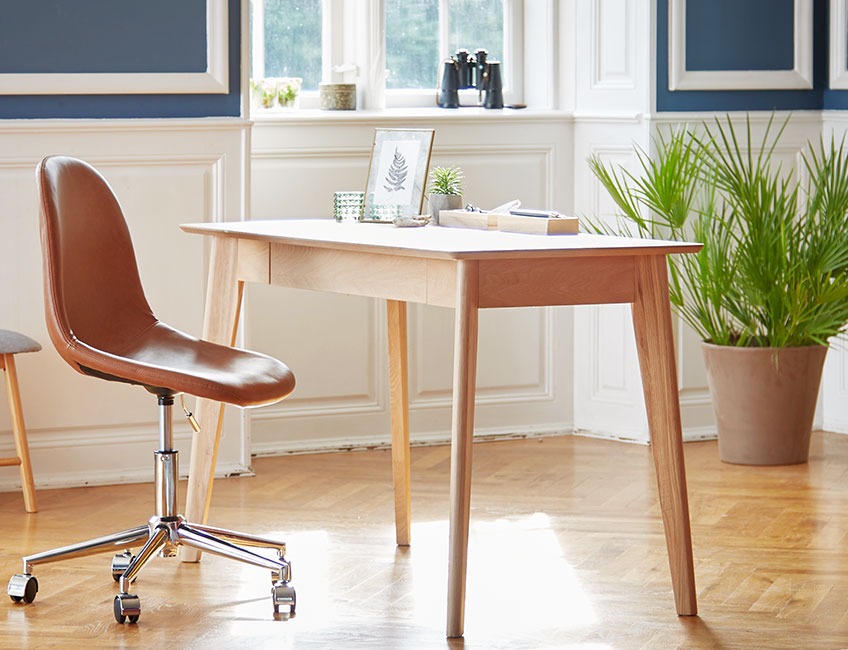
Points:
(800, 77)
(214, 80)
(838, 44)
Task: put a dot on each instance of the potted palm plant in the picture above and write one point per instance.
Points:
(769, 289)
(445, 190)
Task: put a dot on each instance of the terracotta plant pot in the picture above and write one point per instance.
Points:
(764, 401)
(443, 202)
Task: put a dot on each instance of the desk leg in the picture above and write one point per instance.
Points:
(220, 322)
(462, 431)
(399, 402)
(655, 344)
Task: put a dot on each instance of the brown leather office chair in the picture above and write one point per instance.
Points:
(101, 324)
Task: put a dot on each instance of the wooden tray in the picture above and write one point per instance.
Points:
(466, 219)
(538, 225)
(508, 222)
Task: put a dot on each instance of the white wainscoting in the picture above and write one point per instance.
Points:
(834, 395)
(612, 66)
(607, 385)
(611, 57)
(164, 172)
(336, 345)
(608, 398)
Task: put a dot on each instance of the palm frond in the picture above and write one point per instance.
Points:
(774, 267)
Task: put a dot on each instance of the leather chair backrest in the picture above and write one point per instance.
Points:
(92, 290)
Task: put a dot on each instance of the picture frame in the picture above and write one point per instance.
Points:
(397, 174)
(83, 76)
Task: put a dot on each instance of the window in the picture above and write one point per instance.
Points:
(285, 34)
(394, 48)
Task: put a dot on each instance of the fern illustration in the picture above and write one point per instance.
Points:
(396, 176)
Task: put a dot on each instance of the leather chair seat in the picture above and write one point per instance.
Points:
(164, 360)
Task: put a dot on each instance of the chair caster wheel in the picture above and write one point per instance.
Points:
(283, 595)
(126, 606)
(22, 588)
(120, 563)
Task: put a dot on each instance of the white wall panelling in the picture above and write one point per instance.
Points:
(612, 57)
(835, 389)
(607, 387)
(336, 344)
(608, 393)
(835, 380)
(799, 77)
(615, 54)
(164, 173)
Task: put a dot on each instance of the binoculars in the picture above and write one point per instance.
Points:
(465, 70)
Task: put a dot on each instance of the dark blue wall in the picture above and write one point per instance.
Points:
(720, 37)
(108, 36)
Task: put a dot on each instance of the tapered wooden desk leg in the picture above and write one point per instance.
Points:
(220, 322)
(655, 344)
(19, 433)
(462, 431)
(399, 402)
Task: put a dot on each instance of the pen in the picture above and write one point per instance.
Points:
(545, 214)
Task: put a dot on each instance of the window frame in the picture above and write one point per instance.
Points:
(353, 49)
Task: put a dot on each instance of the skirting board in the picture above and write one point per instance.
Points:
(9, 481)
(138, 444)
(430, 439)
(690, 434)
(443, 438)
(12, 483)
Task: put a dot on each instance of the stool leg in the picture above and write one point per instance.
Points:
(19, 433)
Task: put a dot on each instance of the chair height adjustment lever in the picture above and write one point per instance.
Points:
(195, 425)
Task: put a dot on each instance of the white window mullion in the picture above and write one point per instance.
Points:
(444, 28)
(332, 39)
(513, 48)
(257, 39)
(369, 37)
(327, 45)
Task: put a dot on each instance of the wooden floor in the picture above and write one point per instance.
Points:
(566, 550)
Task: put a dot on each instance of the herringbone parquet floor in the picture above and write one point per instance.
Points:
(566, 551)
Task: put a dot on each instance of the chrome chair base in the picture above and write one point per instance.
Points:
(163, 536)
(164, 533)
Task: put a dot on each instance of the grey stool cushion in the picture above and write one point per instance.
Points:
(14, 343)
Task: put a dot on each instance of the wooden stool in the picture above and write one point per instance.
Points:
(12, 343)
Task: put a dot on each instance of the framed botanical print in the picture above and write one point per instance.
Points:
(400, 160)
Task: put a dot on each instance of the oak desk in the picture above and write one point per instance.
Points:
(467, 270)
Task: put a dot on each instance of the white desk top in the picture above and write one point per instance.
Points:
(434, 241)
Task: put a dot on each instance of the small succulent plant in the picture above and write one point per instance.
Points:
(446, 180)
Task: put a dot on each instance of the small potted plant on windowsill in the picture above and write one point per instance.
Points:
(445, 190)
(288, 91)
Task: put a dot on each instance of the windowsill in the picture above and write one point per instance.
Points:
(465, 113)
